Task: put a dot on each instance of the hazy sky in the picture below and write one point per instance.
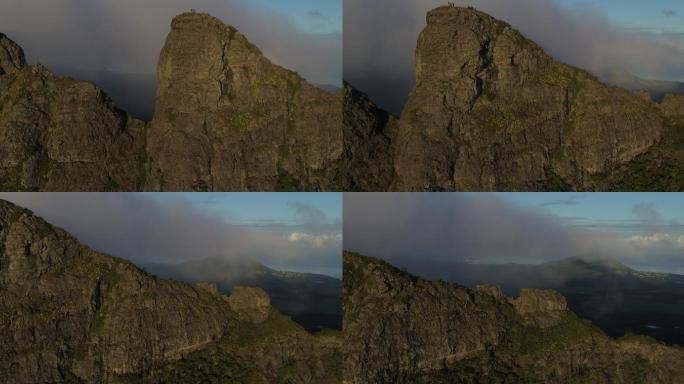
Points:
(288, 231)
(642, 230)
(86, 38)
(642, 37)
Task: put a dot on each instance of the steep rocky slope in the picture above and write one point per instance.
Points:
(226, 118)
(492, 111)
(367, 143)
(71, 315)
(402, 329)
(59, 134)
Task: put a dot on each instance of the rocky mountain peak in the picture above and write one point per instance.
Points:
(11, 55)
(463, 16)
(194, 21)
(491, 110)
(226, 118)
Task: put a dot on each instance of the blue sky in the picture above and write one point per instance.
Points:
(616, 211)
(312, 16)
(648, 16)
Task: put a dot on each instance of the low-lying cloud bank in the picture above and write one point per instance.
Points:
(489, 229)
(380, 37)
(147, 230)
(120, 40)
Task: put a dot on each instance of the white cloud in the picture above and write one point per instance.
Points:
(316, 240)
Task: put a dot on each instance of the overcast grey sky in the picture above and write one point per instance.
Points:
(644, 231)
(380, 38)
(298, 232)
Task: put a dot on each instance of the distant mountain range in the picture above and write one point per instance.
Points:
(312, 300)
(657, 88)
(613, 296)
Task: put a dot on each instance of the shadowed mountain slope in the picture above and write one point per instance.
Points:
(616, 298)
(403, 329)
(69, 314)
(312, 300)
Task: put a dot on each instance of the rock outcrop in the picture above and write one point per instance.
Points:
(59, 134)
(402, 329)
(490, 110)
(251, 303)
(228, 119)
(71, 315)
(12, 56)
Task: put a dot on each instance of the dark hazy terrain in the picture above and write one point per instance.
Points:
(618, 299)
(400, 328)
(71, 315)
(314, 301)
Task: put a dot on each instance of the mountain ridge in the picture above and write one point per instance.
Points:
(226, 118)
(403, 329)
(312, 300)
(73, 315)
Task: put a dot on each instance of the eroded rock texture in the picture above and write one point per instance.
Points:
(71, 315)
(492, 111)
(58, 134)
(228, 119)
(403, 329)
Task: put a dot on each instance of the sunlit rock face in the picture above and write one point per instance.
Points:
(59, 134)
(490, 110)
(228, 119)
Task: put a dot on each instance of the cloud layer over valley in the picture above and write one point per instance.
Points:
(483, 228)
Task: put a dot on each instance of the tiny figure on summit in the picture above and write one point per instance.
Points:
(193, 10)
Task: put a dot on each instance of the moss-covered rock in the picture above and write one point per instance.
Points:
(402, 329)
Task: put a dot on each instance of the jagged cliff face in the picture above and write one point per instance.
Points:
(402, 329)
(368, 130)
(228, 119)
(492, 111)
(70, 314)
(59, 134)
